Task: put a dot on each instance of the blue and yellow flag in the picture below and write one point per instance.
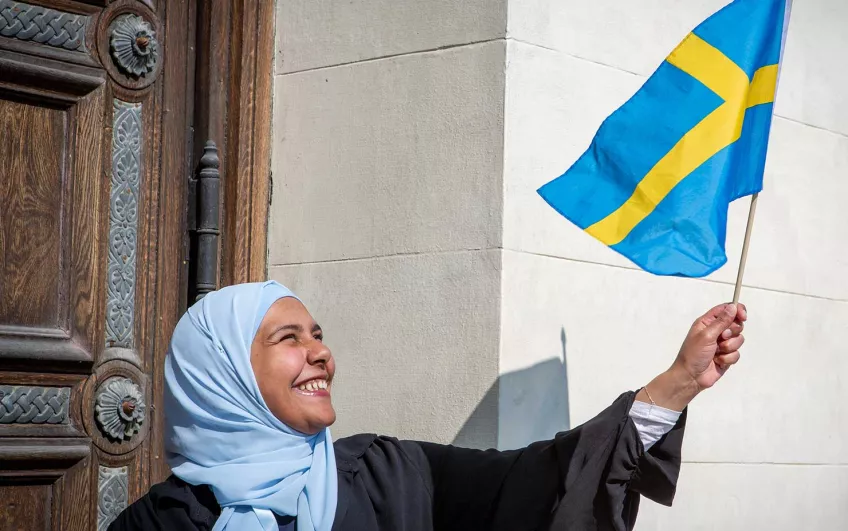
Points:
(656, 182)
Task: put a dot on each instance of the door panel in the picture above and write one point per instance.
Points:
(30, 229)
(92, 226)
(50, 195)
(36, 498)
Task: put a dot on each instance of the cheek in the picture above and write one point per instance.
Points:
(279, 371)
(287, 365)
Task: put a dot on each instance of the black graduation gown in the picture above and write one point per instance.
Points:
(586, 479)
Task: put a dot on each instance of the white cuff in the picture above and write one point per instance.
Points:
(652, 421)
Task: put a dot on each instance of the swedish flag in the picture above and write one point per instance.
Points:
(656, 182)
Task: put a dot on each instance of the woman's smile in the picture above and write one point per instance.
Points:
(315, 387)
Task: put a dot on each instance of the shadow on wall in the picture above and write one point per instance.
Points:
(524, 406)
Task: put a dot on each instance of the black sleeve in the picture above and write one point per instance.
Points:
(589, 478)
(139, 516)
(172, 505)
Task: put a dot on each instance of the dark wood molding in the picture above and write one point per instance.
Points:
(62, 354)
(246, 193)
(48, 79)
(60, 454)
(168, 236)
(48, 52)
(233, 108)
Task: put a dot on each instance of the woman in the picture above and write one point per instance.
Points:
(247, 404)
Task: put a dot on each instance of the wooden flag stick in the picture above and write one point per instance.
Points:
(745, 246)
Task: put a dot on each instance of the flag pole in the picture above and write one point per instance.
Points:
(745, 246)
(753, 210)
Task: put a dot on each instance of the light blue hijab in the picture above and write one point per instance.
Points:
(219, 431)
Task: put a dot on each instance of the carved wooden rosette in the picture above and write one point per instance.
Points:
(129, 44)
(111, 378)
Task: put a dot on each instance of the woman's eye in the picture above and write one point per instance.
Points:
(320, 337)
(290, 337)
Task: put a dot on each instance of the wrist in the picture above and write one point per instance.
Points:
(673, 389)
(684, 385)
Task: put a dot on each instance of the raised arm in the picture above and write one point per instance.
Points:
(589, 478)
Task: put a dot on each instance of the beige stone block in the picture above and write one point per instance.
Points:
(631, 36)
(812, 81)
(739, 497)
(317, 33)
(396, 156)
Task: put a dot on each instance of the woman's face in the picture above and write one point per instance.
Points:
(293, 367)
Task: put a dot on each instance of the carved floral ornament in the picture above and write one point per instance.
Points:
(113, 494)
(120, 408)
(133, 45)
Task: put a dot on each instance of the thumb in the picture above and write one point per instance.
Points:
(723, 317)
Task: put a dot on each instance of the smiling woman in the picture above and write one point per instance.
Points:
(248, 409)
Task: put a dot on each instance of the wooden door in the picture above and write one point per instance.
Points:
(93, 169)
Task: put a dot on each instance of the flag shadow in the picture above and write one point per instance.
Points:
(521, 407)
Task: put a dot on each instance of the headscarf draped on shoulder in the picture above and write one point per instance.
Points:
(220, 432)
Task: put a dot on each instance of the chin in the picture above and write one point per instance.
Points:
(327, 420)
(321, 420)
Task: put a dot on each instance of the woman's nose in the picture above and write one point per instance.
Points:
(318, 353)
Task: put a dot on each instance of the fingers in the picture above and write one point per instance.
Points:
(717, 320)
(712, 314)
(742, 312)
(724, 324)
(731, 340)
(735, 329)
(725, 361)
(731, 345)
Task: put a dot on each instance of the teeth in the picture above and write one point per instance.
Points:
(314, 385)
